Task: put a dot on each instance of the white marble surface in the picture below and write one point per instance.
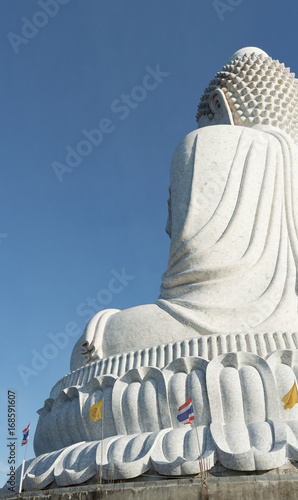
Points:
(232, 219)
(240, 418)
(236, 395)
(205, 346)
(234, 246)
(247, 51)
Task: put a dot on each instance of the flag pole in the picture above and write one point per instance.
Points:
(23, 464)
(201, 462)
(100, 477)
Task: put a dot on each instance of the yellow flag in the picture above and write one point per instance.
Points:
(96, 411)
(291, 398)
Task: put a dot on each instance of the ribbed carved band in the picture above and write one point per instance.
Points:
(206, 347)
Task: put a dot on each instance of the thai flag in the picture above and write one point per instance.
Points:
(26, 435)
(185, 413)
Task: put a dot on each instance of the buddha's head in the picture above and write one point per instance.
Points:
(252, 89)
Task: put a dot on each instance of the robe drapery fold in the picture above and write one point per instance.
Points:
(234, 227)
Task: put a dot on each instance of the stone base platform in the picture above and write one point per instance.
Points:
(240, 420)
(220, 484)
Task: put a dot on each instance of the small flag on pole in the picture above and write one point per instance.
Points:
(291, 398)
(24, 441)
(26, 435)
(185, 413)
(96, 411)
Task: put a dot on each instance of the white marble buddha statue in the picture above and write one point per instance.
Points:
(233, 220)
(223, 331)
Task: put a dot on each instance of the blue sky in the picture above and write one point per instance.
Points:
(63, 235)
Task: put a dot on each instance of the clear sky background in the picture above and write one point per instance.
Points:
(62, 238)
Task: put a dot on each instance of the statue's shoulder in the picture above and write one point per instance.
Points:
(216, 137)
(220, 132)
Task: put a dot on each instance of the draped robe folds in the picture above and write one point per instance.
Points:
(234, 226)
(234, 247)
